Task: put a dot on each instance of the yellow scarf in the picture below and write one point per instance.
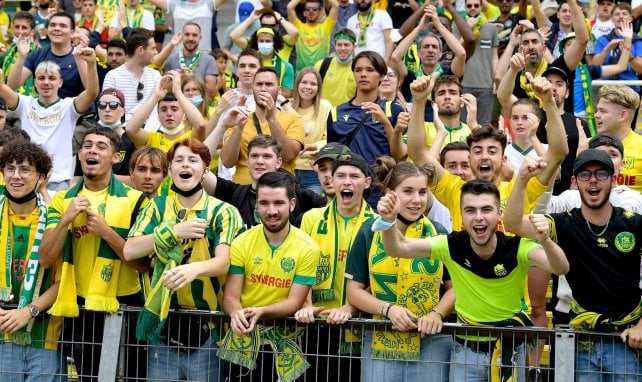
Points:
(523, 82)
(103, 288)
(586, 320)
(417, 289)
(290, 363)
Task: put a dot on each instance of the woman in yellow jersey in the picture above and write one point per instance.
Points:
(315, 112)
(188, 233)
(407, 292)
(268, 43)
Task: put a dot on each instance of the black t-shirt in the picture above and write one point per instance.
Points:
(572, 137)
(558, 63)
(604, 272)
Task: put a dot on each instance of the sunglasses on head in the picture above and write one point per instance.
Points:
(139, 91)
(113, 105)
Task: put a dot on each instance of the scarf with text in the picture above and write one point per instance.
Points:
(524, 84)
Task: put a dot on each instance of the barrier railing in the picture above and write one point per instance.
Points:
(100, 347)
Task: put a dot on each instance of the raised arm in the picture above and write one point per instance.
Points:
(19, 74)
(412, 21)
(458, 64)
(292, 33)
(514, 219)
(291, 8)
(396, 59)
(540, 17)
(417, 149)
(84, 100)
(506, 85)
(573, 54)
(465, 31)
(394, 243)
(191, 112)
(162, 56)
(9, 95)
(236, 118)
(237, 34)
(135, 125)
(626, 30)
(550, 257)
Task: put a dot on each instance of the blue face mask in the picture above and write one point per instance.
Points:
(196, 101)
(266, 48)
(111, 126)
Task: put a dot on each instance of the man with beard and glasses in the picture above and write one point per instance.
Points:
(335, 228)
(272, 267)
(86, 229)
(602, 244)
(189, 234)
(372, 27)
(285, 126)
(50, 119)
(488, 270)
(487, 146)
(191, 59)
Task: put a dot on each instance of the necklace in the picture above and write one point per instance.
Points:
(588, 225)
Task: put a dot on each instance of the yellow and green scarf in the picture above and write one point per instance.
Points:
(364, 23)
(28, 290)
(506, 370)
(587, 95)
(523, 82)
(137, 18)
(586, 320)
(290, 363)
(103, 287)
(416, 290)
(9, 59)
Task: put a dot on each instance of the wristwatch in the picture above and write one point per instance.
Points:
(33, 310)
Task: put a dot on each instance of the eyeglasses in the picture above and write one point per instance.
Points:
(505, 1)
(586, 175)
(473, 5)
(113, 105)
(23, 171)
(311, 9)
(139, 91)
(390, 75)
(269, 26)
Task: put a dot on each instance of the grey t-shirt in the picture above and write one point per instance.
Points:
(206, 65)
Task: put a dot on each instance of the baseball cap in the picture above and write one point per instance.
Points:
(245, 10)
(352, 159)
(593, 156)
(3, 104)
(114, 92)
(555, 70)
(331, 151)
(606, 140)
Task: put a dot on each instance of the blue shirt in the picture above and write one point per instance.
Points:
(71, 84)
(370, 141)
(614, 55)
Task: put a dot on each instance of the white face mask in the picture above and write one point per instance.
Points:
(111, 126)
(173, 131)
(266, 48)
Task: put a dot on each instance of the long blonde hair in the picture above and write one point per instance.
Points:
(200, 84)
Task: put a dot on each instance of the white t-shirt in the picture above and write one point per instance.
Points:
(146, 23)
(374, 32)
(601, 28)
(120, 78)
(52, 127)
(200, 12)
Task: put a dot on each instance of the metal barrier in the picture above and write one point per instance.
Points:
(100, 347)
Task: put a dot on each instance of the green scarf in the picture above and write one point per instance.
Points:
(523, 82)
(586, 320)
(588, 99)
(103, 287)
(137, 18)
(168, 249)
(324, 290)
(415, 289)
(506, 370)
(290, 363)
(9, 59)
(364, 23)
(29, 290)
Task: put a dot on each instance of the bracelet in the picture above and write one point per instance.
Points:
(388, 309)
(440, 315)
(284, 102)
(381, 308)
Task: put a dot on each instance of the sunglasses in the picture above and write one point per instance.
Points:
(312, 9)
(139, 91)
(473, 5)
(113, 105)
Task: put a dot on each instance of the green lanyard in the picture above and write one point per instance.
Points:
(187, 69)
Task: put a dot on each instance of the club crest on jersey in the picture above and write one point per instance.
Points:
(287, 264)
(499, 270)
(106, 272)
(624, 242)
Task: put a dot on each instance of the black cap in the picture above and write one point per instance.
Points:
(350, 159)
(606, 140)
(331, 151)
(3, 104)
(593, 156)
(555, 70)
